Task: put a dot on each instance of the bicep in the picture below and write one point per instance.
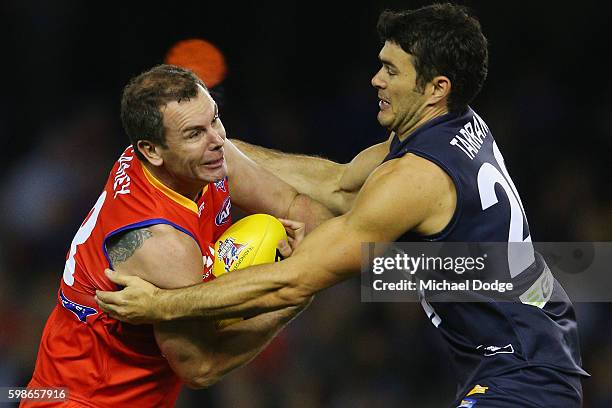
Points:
(169, 258)
(255, 189)
(388, 205)
(362, 165)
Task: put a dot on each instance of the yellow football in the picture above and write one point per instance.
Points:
(252, 240)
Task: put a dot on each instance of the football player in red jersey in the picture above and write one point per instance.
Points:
(166, 201)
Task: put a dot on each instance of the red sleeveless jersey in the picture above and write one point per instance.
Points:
(102, 361)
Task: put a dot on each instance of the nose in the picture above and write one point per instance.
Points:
(377, 81)
(217, 139)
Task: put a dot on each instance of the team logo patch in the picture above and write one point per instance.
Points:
(489, 351)
(80, 311)
(229, 251)
(223, 215)
(467, 403)
(478, 389)
(220, 185)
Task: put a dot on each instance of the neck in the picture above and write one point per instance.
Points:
(189, 190)
(428, 113)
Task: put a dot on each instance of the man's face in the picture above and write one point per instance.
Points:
(194, 139)
(399, 102)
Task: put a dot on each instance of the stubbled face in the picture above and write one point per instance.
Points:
(194, 139)
(399, 102)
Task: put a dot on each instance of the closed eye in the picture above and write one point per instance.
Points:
(390, 71)
(389, 67)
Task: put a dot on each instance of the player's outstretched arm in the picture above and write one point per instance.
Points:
(197, 350)
(405, 194)
(257, 190)
(333, 184)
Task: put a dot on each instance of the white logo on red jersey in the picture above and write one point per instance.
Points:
(208, 260)
(122, 179)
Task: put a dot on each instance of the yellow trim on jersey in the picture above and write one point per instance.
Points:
(173, 195)
(478, 389)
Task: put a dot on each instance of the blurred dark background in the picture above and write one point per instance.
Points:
(298, 80)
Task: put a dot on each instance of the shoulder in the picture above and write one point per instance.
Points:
(161, 237)
(411, 170)
(404, 194)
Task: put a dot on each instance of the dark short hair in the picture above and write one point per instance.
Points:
(145, 95)
(443, 40)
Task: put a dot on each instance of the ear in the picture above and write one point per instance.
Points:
(150, 151)
(440, 88)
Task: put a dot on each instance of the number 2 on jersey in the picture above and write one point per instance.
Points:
(81, 236)
(520, 257)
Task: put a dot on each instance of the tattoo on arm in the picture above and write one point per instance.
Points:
(121, 246)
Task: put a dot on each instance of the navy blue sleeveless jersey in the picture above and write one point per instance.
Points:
(488, 337)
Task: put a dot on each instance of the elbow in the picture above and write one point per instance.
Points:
(194, 361)
(201, 382)
(204, 377)
(342, 202)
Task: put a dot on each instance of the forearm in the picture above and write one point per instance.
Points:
(313, 176)
(240, 342)
(201, 355)
(325, 257)
(247, 292)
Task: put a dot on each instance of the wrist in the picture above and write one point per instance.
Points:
(164, 311)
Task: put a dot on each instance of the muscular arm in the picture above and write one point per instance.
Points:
(196, 350)
(202, 356)
(405, 194)
(257, 190)
(334, 185)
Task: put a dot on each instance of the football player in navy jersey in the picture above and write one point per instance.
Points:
(439, 177)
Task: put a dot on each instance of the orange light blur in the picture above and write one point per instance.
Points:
(200, 56)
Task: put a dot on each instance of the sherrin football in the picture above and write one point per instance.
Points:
(250, 241)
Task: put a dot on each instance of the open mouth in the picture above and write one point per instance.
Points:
(383, 104)
(212, 164)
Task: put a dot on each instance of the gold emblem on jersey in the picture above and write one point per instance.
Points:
(478, 389)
